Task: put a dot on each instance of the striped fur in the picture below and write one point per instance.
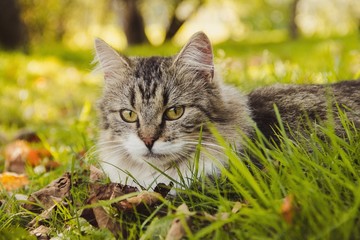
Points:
(149, 86)
(133, 153)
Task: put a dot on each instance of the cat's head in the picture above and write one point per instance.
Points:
(153, 108)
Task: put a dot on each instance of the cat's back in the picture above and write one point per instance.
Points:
(295, 101)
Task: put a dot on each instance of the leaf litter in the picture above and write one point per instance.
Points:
(25, 150)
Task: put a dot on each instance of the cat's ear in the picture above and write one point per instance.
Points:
(197, 55)
(110, 62)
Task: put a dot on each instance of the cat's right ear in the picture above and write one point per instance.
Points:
(110, 62)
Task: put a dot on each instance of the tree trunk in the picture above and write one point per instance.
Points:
(13, 33)
(176, 23)
(133, 22)
(293, 27)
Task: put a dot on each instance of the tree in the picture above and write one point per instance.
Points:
(13, 33)
(132, 20)
(130, 16)
(176, 22)
(293, 27)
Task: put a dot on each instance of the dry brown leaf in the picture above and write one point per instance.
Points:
(12, 181)
(20, 153)
(27, 135)
(56, 191)
(33, 157)
(36, 155)
(103, 220)
(51, 165)
(97, 216)
(41, 232)
(15, 156)
(148, 198)
(109, 191)
(96, 174)
(183, 209)
(177, 230)
(163, 189)
(288, 209)
(47, 199)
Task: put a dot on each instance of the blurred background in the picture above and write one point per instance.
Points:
(46, 52)
(24, 23)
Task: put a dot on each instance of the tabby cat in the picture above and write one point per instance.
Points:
(153, 109)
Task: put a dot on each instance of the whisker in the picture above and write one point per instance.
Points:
(96, 151)
(207, 144)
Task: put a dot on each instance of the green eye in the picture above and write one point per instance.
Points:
(174, 113)
(128, 116)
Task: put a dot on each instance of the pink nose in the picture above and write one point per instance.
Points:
(149, 142)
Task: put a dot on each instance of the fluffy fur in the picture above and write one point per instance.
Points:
(299, 105)
(150, 86)
(154, 149)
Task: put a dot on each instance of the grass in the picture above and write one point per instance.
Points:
(53, 93)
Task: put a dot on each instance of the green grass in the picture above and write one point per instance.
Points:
(52, 92)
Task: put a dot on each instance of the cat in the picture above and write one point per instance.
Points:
(153, 110)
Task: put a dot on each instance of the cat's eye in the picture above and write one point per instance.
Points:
(128, 115)
(174, 113)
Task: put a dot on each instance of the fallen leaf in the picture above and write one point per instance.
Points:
(27, 135)
(20, 153)
(287, 209)
(109, 191)
(12, 181)
(97, 216)
(163, 189)
(55, 192)
(41, 232)
(104, 221)
(36, 155)
(144, 197)
(51, 165)
(15, 156)
(96, 174)
(33, 157)
(177, 230)
(183, 209)
(47, 199)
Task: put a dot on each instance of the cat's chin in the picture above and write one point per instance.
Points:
(161, 161)
(153, 157)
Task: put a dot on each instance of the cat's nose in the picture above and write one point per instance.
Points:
(149, 142)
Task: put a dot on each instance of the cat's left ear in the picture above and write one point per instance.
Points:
(197, 55)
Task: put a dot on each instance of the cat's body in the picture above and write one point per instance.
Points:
(153, 109)
(301, 105)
